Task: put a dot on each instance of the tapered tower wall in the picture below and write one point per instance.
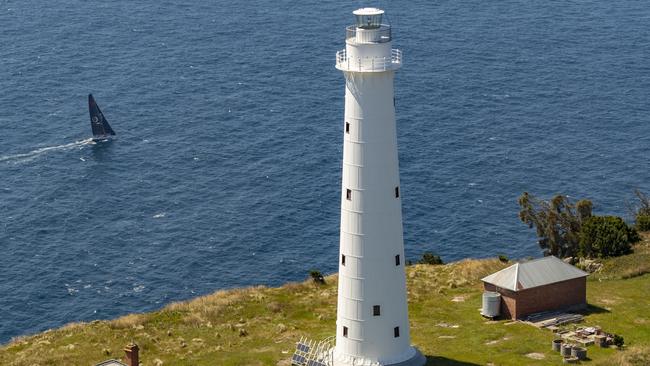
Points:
(372, 313)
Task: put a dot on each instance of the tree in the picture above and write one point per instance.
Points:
(641, 211)
(644, 203)
(606, 236)
(557, 222)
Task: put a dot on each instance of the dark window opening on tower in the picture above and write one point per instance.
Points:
(348, 194)
(376, 311)
(345, 332)
(343, 259)
(347, 127)
(397, 260)
(396, 332)
(396, 192)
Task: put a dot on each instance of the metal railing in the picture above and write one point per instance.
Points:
(385, 34)
(369, 64)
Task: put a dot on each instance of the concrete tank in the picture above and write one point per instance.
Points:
(491, 304)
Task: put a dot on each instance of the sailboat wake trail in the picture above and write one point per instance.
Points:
(35, 153)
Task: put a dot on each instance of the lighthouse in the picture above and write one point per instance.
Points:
(372, 326)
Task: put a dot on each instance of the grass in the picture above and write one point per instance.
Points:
(631, 265)
(260, 325)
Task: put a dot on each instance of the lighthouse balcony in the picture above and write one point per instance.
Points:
(370, 63)
(380, 34)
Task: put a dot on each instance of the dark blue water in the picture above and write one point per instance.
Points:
(229, 114)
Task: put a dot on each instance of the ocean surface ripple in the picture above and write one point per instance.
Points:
(226, 170)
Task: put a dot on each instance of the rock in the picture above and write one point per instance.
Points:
(157, 362)
(139, 327)
(243, 332)
(197, 340)
(169, 333)
(569, 260)
(281, 328)
(106, 351)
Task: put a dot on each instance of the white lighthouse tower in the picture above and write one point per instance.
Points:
(372, 316)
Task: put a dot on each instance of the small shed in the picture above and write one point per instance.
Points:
(542, 284)
(132, 356)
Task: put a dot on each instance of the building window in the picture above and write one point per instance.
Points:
(397, 260)
(345, 332)
(396, 332)
(396, 192)
(347, 127)
(376, 311)
(343, 259)
(348, 194)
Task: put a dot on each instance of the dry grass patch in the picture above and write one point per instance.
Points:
(636, 356)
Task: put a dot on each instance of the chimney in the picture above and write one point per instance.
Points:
(132, 356)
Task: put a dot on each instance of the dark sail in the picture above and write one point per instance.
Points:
(101, 129)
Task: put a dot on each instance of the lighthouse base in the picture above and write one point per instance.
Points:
(416, 359)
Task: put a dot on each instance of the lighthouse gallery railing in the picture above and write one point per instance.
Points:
(369, 64)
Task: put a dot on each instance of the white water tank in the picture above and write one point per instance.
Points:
(491, 304)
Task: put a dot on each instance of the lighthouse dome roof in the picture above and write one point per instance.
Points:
(368, 11)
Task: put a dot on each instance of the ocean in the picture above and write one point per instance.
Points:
(229, 115)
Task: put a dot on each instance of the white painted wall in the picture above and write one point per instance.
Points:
(371, 222)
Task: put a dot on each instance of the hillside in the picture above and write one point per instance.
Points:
(260, 325)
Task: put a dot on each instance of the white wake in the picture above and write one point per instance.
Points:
(43, 150)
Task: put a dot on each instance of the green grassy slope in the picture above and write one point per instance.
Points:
(259, 325)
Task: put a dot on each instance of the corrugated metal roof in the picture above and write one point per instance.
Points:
(538, 272)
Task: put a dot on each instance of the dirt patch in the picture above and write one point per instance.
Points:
(495, 341)
(608, 301)
(445, 325)
(536, 356)
(458, 299)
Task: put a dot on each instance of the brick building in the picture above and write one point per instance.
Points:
(539, 285)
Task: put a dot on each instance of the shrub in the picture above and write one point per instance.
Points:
(503, 258)
(317, 277)
(430, 258)
(618, 341)
(643, 222)
(606, 236)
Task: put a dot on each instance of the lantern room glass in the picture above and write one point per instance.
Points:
(368, 21)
